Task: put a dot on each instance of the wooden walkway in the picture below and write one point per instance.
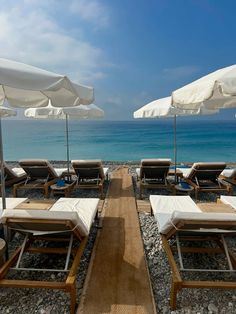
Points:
(118, 279)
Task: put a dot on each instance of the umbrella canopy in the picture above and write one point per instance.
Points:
(78, 112)
(48, 112)
(84, 112)
(27, 86)
(73, 113)
(213, 91)
(156, 109)
(162, 108)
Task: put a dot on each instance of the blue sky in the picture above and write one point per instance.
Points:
(131, 51)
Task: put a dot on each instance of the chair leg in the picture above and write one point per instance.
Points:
(46, 192)
(173, 295)
(140, 191)
(101, 191)
(196, 193)
(14, 191)
(72, 298)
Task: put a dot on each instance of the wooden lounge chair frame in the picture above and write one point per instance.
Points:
(228, 179)
(34, 181)
(89, 177)
(201, 182)
(183, 233)
(10, 177)
(154, 177)
(69, 285)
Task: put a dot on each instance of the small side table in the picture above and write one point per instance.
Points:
(181, 190)
(64, 190)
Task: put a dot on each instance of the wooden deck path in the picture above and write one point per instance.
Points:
(118, 279)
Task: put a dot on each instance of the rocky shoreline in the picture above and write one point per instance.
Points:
(194, 301)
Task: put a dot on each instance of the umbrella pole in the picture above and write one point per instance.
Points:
(2, 170)
(67, 148)
(4, 230)
(175, 148)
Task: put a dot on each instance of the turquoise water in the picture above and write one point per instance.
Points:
(120, 140)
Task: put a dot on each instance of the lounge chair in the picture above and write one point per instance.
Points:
(153, 174)
(229, 175)
(90, 174)
(40, 175)
(179, 219)
(68, 222)
(13, 175)
(204, 177)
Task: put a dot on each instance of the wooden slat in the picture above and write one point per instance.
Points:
(207, 250)
(209, 284)
(31, 284)
(46, 250)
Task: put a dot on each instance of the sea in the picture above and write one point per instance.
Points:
(133, 140)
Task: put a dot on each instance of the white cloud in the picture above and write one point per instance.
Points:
(30, 34)
(180, 72)
(91, 11)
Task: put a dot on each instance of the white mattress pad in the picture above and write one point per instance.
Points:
(80, 211)
(169, 210)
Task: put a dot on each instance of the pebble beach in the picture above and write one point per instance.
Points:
(146, 90)
(202, 301)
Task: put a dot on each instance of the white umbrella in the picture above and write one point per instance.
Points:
(213, 91)
(25, 86)
(84, 112)
(162, 108)
(74, 113)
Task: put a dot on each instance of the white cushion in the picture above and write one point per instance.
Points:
(169, 204)
(19, 171)
(185, 171)
(86, 209)
(229, 200)
(59, 171)
(169, 210)
(228, 173)
(163, 207)
(137, 170)
(105, 170)
(80, 212)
